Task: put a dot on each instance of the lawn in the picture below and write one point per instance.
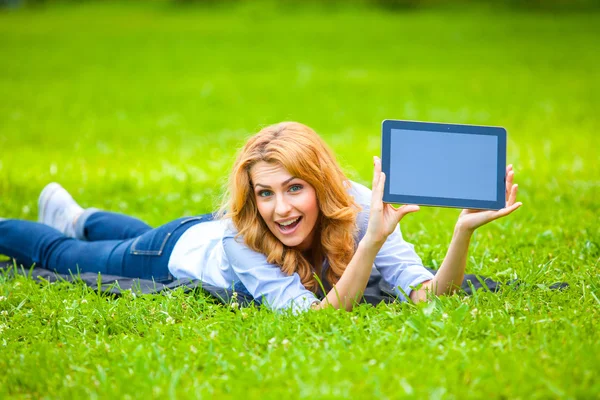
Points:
(139, 108)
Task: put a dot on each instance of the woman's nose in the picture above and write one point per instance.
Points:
(282, 207)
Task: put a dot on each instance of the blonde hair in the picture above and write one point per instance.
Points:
(305, 155)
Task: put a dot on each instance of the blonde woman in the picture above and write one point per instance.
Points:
(291, 225)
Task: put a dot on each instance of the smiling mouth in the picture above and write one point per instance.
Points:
(289, 226)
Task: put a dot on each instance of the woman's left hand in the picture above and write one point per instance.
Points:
(473, 219)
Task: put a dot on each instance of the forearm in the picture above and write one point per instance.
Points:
(451, 273)
(354, 280)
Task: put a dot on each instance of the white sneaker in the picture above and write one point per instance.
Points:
(57, 209)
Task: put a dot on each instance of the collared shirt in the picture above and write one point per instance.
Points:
(210, 252)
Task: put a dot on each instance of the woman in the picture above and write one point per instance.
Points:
(291, 222)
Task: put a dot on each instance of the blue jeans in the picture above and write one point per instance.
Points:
(109, 243)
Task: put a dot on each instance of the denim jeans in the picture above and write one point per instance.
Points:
(109, 243)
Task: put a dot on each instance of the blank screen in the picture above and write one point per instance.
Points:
(442, 164)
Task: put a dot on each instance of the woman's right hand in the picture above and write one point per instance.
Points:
(383, 218)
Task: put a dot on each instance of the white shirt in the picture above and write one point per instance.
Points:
(208, 251)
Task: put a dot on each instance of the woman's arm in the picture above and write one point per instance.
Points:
(450, 275)
(383, 219)
(354, 279)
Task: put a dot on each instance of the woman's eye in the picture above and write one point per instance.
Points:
(295, 188)
(264, 193)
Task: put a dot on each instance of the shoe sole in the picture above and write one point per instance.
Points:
(44, 198)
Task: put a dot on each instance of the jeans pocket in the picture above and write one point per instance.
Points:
(153, 243)
(150, 245)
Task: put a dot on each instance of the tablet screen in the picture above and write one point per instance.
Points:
(443, 164)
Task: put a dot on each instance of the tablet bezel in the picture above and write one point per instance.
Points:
(386, 131)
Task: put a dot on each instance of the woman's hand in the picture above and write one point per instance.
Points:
(383, 218)
(472, 219)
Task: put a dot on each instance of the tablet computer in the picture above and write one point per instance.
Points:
(445, 165)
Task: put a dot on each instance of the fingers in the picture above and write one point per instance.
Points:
(510, 174)
(400, 212)
(512, 196)
(407, 209)
(378, 184)
(378, 192)
(376, 171)
(507, 210)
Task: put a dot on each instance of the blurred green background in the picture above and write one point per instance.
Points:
(139, 107)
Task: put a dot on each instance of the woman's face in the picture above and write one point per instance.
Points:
(287, 204)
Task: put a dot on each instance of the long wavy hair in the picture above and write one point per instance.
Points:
(305, 155)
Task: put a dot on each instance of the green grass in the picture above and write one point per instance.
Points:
(139, 109)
